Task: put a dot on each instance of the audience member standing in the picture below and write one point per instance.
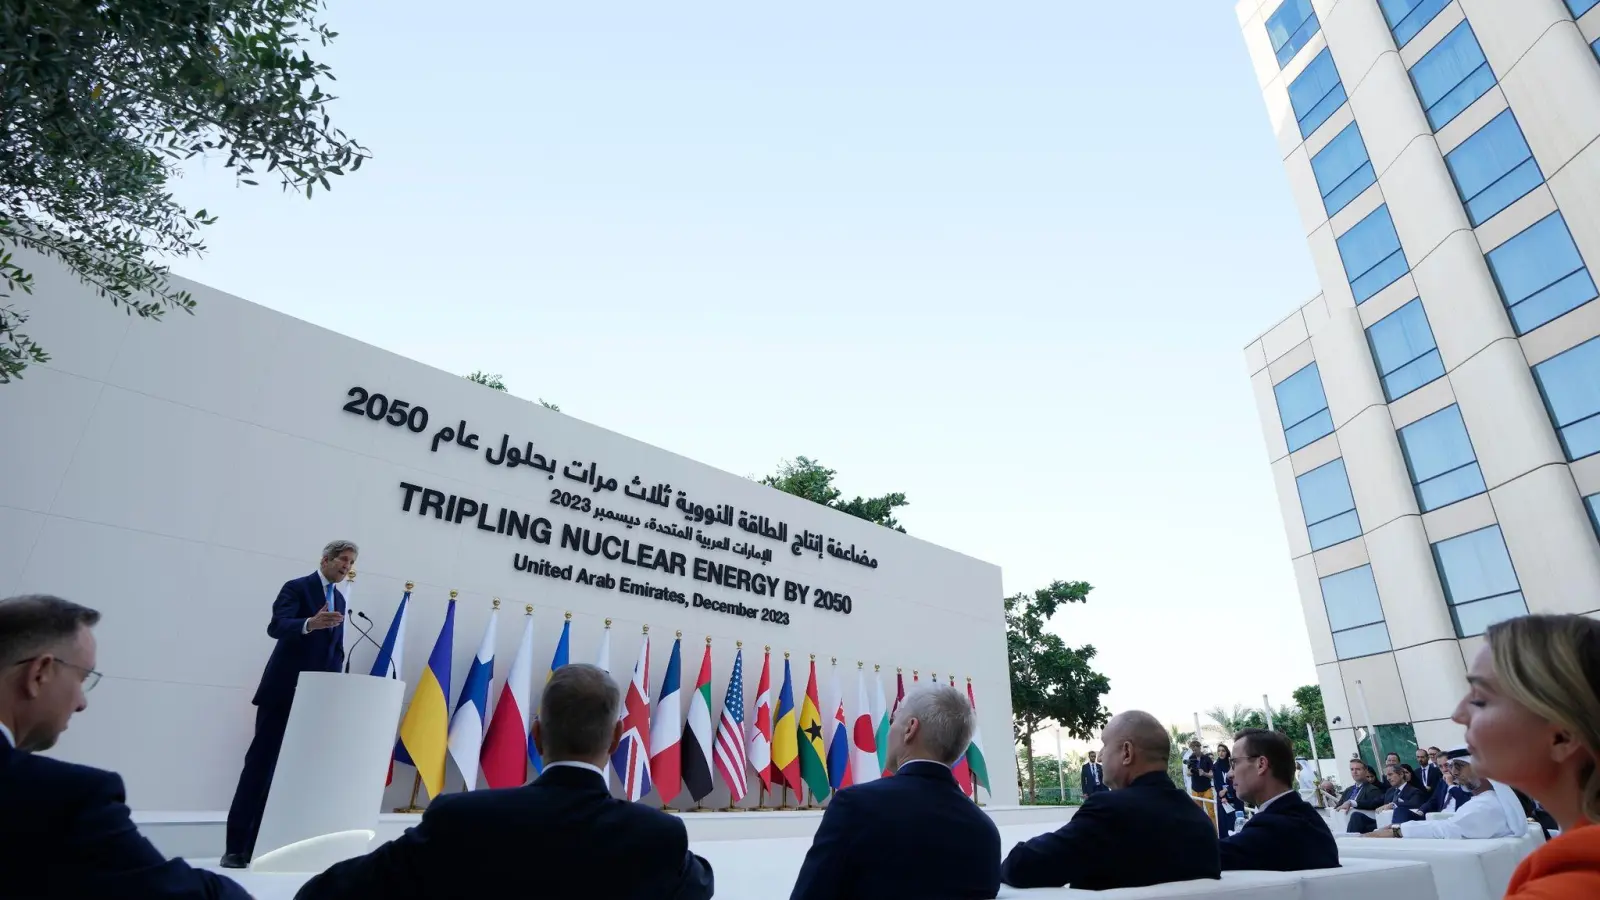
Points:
(920, 814)
(65, 830)
(563, 833)
(1286, 834)
(1428, 772)
(1144, 831)
(1532, 714)
(1198, 764)
(1092, 778)
(1229, 810)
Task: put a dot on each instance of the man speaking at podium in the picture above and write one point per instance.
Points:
(308, 624)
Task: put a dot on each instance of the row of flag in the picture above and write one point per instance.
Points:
(795, 748)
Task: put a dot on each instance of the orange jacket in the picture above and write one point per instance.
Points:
(1567, 868)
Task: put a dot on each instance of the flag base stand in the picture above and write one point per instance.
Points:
(413, 807)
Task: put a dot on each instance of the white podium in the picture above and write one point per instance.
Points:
(329, 781)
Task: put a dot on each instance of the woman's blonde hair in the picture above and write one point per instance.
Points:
(1551, 665)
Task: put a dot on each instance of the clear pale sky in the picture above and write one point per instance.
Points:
(1004, 258)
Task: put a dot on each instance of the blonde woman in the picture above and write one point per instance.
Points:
(1532, 714)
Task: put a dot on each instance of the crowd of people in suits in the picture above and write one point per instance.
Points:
(1531, 715)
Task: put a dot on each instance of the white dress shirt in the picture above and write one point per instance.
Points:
(1481, 817)
(306, 628)
(6, 733)
(910, 761)
(1263, 807)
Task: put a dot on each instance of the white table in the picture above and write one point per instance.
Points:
(1462, 870)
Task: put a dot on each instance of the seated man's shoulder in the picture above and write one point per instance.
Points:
(68, 779)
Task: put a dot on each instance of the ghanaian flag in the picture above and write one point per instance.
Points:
(813, 765)
(785, 754)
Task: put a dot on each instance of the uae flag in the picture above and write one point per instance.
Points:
(697, 733)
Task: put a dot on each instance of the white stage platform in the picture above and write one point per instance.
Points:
(199, 835)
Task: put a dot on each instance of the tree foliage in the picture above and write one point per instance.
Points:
(101, 102)
(1290, 720)
(1050, 682)
(497, 383)
(808, 478)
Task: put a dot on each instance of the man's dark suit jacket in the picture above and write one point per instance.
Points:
(1088, 782)
(297, 651)
(1288, 836)
(1366, 797)
(65, 831)
(564, 829)
(913, 835)
(1149, 832)
(1428, 776)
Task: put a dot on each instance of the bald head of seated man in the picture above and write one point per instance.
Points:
(1143, 831)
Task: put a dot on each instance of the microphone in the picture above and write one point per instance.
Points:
(366, 635)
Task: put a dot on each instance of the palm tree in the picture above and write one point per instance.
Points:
(1225, 724)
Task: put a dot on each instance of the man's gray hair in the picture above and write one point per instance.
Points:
(946, 718)
(335, 548)
(34, 623)
(578, 711)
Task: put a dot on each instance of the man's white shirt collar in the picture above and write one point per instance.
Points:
(933, 761)
(575, 764)
(1263, 807)
(10, 738)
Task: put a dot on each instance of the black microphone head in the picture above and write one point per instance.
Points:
(362, 615)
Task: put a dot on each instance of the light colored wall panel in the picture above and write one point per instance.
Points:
(1259, 47)
(1471, 119)
(1387, 108)
(1431, 34)
(1377, 470)
(1464, 310)
(1408, 584)
(1379, 679)
(1316, 615)
(1576, 188)
(1551, 541)
(37, 459)
(1344, 747)
(1459, 518)
(1334, 702)
(1561, 334)
(1284, 336)
(19, 532)
(1423, 200)
(1341, 556)
(1422, 402)
(1504, 413)
(1359, 37)
(1557, 123)
(1386, 301)
(1255, 358)
(1507, 31)
(1271, 424)
(1292, 360)
(1516, 218)
(1330, 270)
(1314, 454)
(1348, 377)
(1294, 521)
(1434, 678)
(1441, 733)
(1316, 313)
(1303, 186)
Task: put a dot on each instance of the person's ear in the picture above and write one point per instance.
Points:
(35, 673)
(1563, 745)
(616, 737)
(538, 737)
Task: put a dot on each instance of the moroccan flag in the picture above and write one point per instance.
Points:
(424, 733)
(632, 757)
(665, 767)
(838, 740)
(471, 717)
(505, 747)
(759, 748)
(864, 765)
(561, 657)
(785, 745)
(813, 764)
(980, 766)
(697, 734)
(880, 721)
(730, 756)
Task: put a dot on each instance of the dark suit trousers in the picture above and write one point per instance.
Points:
(250, 799)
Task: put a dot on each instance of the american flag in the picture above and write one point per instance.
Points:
(730, 735)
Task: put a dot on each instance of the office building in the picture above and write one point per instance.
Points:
(1432, 417)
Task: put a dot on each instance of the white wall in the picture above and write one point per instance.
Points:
(174, 475)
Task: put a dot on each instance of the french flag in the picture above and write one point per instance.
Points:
(505, 748)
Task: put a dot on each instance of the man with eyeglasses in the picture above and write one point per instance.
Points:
(65, 829)
(1286, 834)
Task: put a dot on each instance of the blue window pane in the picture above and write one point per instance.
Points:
(1571, 387)
(1451, 76)
(1342, 169)
(1329, 508)
(1540, 274)
(1402, 346)
(1407, 17)
(1316, 94)
(1439, 454)
(1363, 641)
(1595, 47)
(1290, 28)
(1475, 618)
(1351, 598)
(1303, 408)
(1493, 168)
(1579, 7)
(1371, 253)
(1589, 502)
(1476, 565)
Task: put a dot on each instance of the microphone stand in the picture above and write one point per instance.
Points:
(366, 635)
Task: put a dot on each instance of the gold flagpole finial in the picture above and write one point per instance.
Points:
(835, 660)
(969, 679)
(411, 585)
(453, 595)
(813, 657)
(913, 673)
(569, 617)
(528, 610)
(739, 645)
(876, 667)
(785, 654)
(766, 648)
(898, 670)
(497, 603)
(647, 629)
(351, 576)
(678, 634)
(608, 623)
(708, 640)
(860, 664)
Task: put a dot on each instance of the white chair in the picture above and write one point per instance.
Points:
(1272, 886)
(1462, 870)
(314, 854)
(1371, 878)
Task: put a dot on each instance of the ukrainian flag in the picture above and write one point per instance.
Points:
(813, 758)
(785, 749)
(557, 662)
(425, 732)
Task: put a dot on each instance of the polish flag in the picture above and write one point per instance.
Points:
(505, 748)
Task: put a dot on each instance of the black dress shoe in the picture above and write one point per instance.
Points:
(235, 861)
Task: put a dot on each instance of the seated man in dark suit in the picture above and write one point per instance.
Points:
(65, 830)
(566, 822)
(1286, 834)
(1403, 795)
(919, 814)
(1361, 799)
(1144, 831)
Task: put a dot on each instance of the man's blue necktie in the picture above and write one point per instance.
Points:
(331, 607)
